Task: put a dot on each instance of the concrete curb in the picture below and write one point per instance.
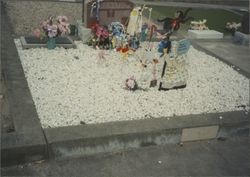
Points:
(116, 136)
(27, 45)
(191, 4)
(27, 143)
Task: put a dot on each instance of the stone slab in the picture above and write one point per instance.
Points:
(199, 133)
(205, 34)
(115, 136)
(34, 42)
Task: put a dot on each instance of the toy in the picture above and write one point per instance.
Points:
(95, 8)
(135, 20)
(134, 43)
(173, 24)
(164, 46)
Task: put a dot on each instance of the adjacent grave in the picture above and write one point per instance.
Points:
(205, 34)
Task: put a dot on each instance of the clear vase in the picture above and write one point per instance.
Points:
(51, 44)
(144, 80)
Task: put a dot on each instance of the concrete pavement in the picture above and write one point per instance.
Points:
(193, 5)
(226, 50)
(229, 157)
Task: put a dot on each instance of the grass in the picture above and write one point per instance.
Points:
(216, 19)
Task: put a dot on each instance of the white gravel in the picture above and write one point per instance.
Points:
(67, 90)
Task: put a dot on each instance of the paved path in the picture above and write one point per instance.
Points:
(193, 5)
(6, 118)
(214, 158)
(236, 55)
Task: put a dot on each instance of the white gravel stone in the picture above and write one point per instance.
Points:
(67, 90)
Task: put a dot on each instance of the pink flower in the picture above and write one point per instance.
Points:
(63, 25)
(131, 84)
(37, 33)
(52, 30)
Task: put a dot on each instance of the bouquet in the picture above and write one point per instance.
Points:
(53, 28)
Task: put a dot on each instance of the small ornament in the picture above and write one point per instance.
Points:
(153, 82)
(131, 84)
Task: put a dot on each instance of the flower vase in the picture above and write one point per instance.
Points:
(144, 78)
(51, 44)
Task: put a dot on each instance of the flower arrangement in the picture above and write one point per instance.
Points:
(199, 25)
(53, 28)
(131, 84)
(232, 26)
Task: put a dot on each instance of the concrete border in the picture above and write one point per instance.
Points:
(26, 45)
(27, 143)
(116, 136)
(191, 4)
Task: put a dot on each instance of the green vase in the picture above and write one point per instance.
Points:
(51, 44)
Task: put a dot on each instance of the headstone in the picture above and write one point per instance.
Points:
(174, 74)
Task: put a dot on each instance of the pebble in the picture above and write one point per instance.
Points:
(82, 90)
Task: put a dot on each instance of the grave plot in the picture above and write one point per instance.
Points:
(74, 85)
